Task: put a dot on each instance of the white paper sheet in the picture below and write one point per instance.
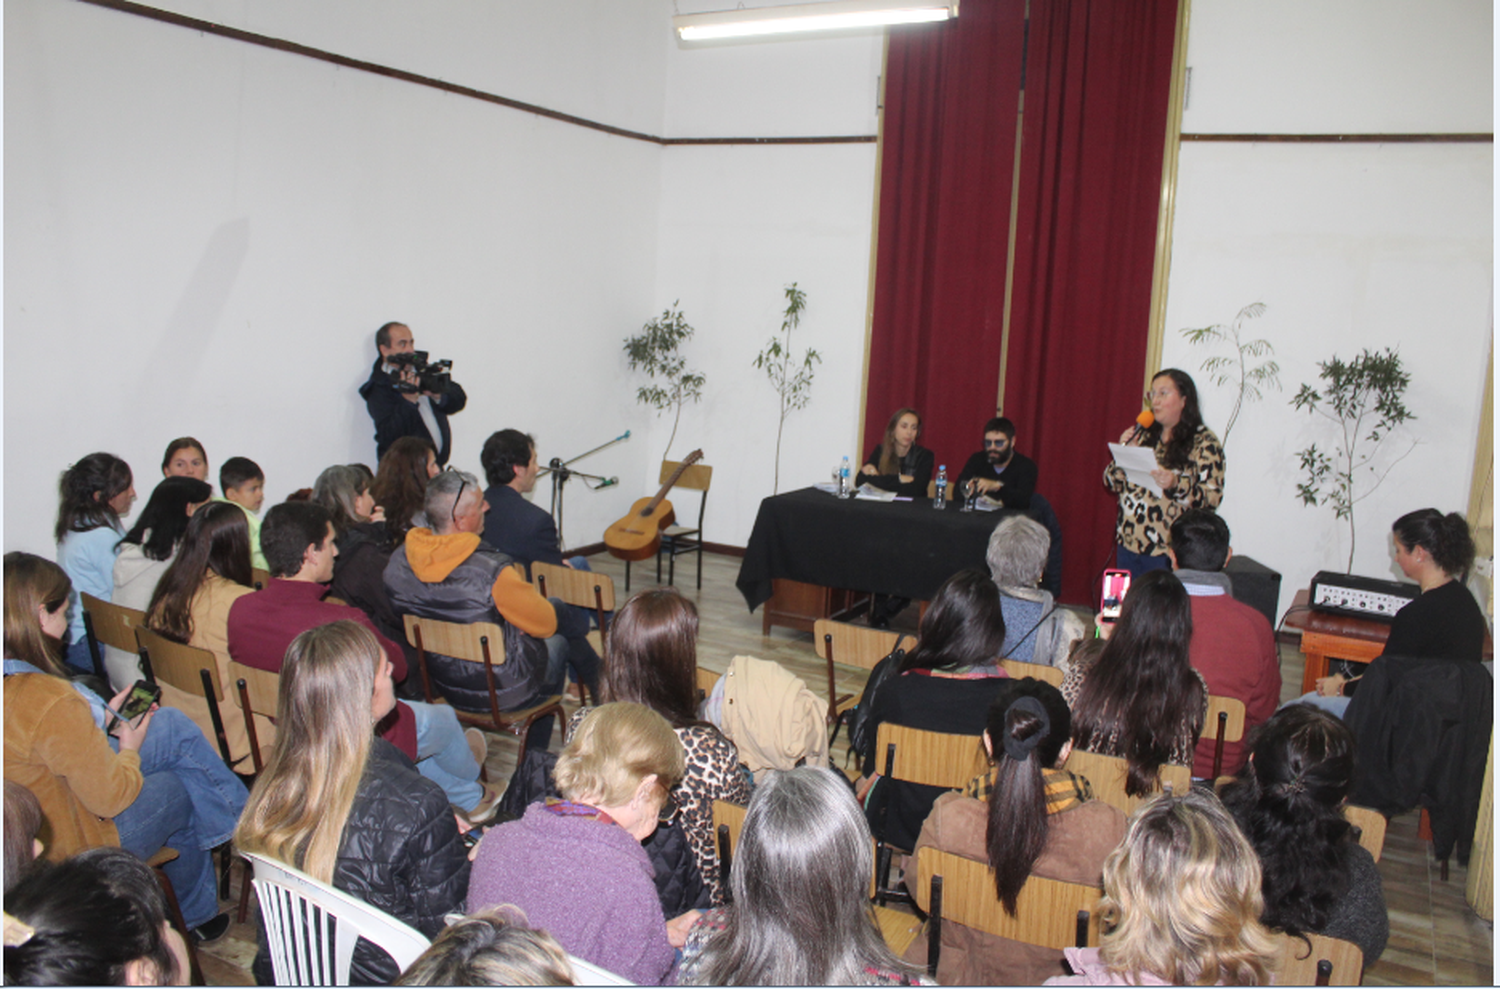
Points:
(1138, 462)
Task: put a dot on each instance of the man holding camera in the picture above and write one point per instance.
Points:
(407, 397)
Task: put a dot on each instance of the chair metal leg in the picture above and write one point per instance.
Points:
(627, 576)
(700, 561)
(174, 914)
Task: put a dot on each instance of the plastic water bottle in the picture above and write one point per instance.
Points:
(844, 479)
(940, 492)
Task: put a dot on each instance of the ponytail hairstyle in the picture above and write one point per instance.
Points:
(1289, 803)
(85, 491)
(889, 462)
(1027, 727)
(163, 521)
(217, 541)
(1446, 539)
(32, 583)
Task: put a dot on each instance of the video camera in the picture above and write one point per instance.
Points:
(432, 376)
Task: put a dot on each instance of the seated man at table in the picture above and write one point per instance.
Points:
(998, 472)
(1232, 644)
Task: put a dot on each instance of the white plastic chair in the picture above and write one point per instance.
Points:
(312, 928)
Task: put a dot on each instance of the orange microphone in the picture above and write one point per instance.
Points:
(1143, 422)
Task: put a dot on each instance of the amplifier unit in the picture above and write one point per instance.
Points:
(1360, 597)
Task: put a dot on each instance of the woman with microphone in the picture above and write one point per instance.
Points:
(1190, 471)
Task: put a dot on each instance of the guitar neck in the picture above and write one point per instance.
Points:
(676, 476)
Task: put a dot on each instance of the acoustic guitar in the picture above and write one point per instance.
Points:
(637, 536)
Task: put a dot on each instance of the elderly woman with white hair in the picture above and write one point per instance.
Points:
(1037, 630)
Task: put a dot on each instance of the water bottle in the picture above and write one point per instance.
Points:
(844, 479)
(939, 494)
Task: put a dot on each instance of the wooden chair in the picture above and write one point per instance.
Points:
(929, 758)
(581, 588)
(1330, 962)
(260, 579)
(1107, 774)
(157, 864)
(1049, 912)
(897, 928)
(1226, 720)
(706, 681)
(258, 692)
(109, 623)
(679, 539)
(480, 642)
(852, 645)
(1019, 671)
(1371, 825)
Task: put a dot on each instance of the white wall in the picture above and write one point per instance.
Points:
(1350, 246)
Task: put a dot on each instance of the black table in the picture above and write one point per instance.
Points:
(902, 548)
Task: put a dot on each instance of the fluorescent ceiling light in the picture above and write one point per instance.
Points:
(803, 17)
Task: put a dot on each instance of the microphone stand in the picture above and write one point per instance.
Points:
(560, 472)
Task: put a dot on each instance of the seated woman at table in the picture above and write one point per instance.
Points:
(898, 464)
(945, 684)
(1443, 622)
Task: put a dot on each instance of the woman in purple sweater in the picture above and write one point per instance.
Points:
(575, 866)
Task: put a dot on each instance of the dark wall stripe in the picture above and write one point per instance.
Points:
(1345, 138)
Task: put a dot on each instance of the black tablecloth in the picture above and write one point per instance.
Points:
(904, 548)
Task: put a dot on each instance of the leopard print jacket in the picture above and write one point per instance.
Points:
(1145, 520)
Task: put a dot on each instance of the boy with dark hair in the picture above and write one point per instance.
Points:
(243, 483)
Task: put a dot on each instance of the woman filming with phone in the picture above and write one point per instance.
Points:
(126, 773)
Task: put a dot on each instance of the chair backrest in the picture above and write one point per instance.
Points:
(1233, 710)
(706, 680)
(311, 928)
(1371, 824)
(114, 624)
(1018, 670)
(258, 691)
(695, 478)
(582, 588)
(856, 645)
(260, 578)
(1047, 910)
(1299, 966)
(461, 641)
(180, 665)
(929, 757)
(1107, 774)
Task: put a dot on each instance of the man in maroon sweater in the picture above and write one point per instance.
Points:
(1233, 646)
(298, 541)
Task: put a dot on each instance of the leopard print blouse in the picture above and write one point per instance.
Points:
(1145, 520)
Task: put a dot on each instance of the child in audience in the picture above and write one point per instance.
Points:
(95, 494)
(185, 458)
(491, 948)
(243, 483)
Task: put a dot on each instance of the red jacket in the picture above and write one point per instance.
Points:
(1235, 651)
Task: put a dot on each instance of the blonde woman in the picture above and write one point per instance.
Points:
(346, 807)
(493, 947)
(1182, 903)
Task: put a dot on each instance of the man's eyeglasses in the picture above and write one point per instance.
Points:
(453, 512)
(995, 443)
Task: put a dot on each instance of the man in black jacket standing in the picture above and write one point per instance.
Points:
(396, 405)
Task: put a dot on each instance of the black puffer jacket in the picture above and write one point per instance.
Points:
(401, 853)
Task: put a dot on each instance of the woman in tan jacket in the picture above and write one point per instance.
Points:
(191, 604)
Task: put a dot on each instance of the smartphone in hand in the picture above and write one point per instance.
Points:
(143, 694)
(1112, 595)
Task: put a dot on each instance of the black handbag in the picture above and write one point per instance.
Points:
(861, 731)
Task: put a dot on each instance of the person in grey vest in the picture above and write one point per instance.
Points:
(447, 572)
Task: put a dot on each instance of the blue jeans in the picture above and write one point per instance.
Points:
(1139, 563)
(558, 650)
(573, 625)
(79, 657)
(1335, 706)
(190, 801)
(443, 754)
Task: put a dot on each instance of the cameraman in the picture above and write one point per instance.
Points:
(397, 404)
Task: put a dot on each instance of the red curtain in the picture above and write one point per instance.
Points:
(1097, 81)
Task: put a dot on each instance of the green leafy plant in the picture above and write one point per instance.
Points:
(656, 350)
(791, 378)
(1363, 397)
(1236, 370)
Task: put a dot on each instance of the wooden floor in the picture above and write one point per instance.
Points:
(1436, 939)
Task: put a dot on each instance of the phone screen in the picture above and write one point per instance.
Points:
(1116, 583)
(142, 695)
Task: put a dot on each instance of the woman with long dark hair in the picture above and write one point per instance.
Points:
(945, 684)
(400, 487)
(1190, 473)
(653, 659)
(1029, 817)
(94, 494)
(899, 464)
(1140, 699)
(191, 605)
(1315, 877)
(364, 544)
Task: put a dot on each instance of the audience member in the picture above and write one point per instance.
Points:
(97, 919)
(491, 948)
(299, 543)
(96, 493)
(653, 661)
(346, 807)
(448, 573)
(364, 548)
(517, 528)
(1181, 903)
(23, 821)
(945, 684)
(144, 555)
(185, 458)
(400, 486)
(1232, 647)
(1036, 629)
(615, 776)
(155, 783)
(243, 483)
(191, 605)
(800, 911)
(1138, 698)
(1290, 803)
(1029, 818)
